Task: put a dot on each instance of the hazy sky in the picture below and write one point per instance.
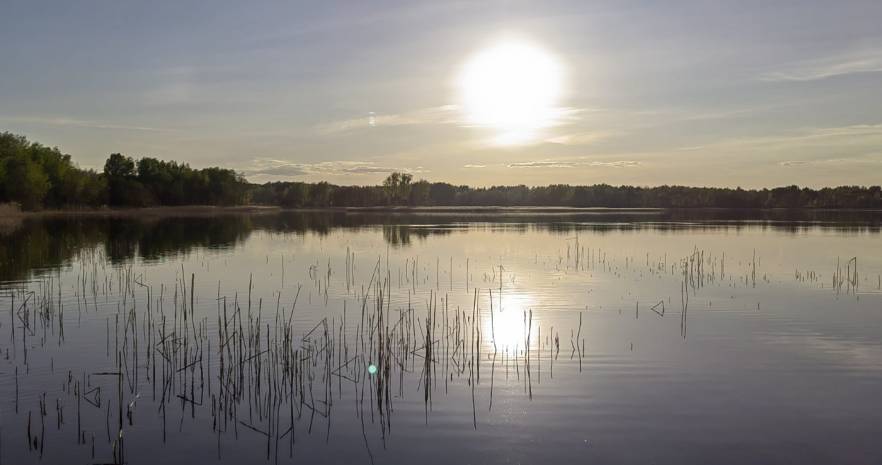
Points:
(749, 93)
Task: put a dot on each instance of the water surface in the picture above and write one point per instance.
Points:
(499, 337)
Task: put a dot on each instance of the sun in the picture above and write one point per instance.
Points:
(512, 87)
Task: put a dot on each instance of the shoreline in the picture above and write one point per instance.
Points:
(183, 210)
(11, 211)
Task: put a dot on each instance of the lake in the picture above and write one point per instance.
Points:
(442, 336)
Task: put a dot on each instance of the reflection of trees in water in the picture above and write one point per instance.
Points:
(49, 242)
(183, 234)
(400, 235)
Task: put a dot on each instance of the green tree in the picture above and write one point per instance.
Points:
(397, 187)
(119, 166)
(320, 194)
(26, 183)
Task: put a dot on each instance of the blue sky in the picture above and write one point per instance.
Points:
(749, 93)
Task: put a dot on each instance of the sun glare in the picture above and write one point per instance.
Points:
(513, 88)
(507, 326)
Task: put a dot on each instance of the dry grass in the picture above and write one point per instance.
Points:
(9, 209)
(10, 217)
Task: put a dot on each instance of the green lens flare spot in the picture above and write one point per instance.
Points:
(372, 369)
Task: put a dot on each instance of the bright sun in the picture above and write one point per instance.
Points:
(512, 87)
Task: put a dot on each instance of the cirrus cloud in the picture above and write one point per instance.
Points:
(575, 164)
(286, 169)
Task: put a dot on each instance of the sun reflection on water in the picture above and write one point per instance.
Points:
(509, 324)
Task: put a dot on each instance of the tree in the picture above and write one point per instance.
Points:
(442, 193)
(119, 166)
(295, 195)
(26, 183)
(397, 187)
(419, 193)
(123, 188)
(320, 194)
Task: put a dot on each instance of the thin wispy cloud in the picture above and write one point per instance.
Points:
(858, 135)
(404, 14)
(794, 162)
(584, 138)
(450, 114)
(445, 114)
(616, 164)
(575, 164)
(80, 123)
(831, 162)
(281, 168)
(854, 147)
(841, 65)
(543, 164)
(553, 117)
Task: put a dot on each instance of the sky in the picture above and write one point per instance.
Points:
(703, 93)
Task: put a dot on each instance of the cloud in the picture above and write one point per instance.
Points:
(869, 61)
(74, 122)
(836, 146)
(855, 136)
(281, 168)
(616, 164)
(391, 17)
(794, 162)
(847, 131)
(579, 138)
(574, 164)
(288, 170)
(543, 164)
(474, 166)
(365, 169)
(444, 114)
(830, 162)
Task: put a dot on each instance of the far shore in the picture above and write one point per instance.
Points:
(7, 210)
(183, 210)
(10, 211)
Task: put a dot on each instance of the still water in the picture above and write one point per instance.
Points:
(551, 336)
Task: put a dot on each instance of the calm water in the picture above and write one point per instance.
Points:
(497, 337)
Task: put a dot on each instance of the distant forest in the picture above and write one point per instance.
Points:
(38, 177)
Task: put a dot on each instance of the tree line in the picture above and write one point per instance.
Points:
(38, 177)
(424, 193)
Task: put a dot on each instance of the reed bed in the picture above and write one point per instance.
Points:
(245, 366)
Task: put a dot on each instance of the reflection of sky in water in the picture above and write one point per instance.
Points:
(786, 370)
